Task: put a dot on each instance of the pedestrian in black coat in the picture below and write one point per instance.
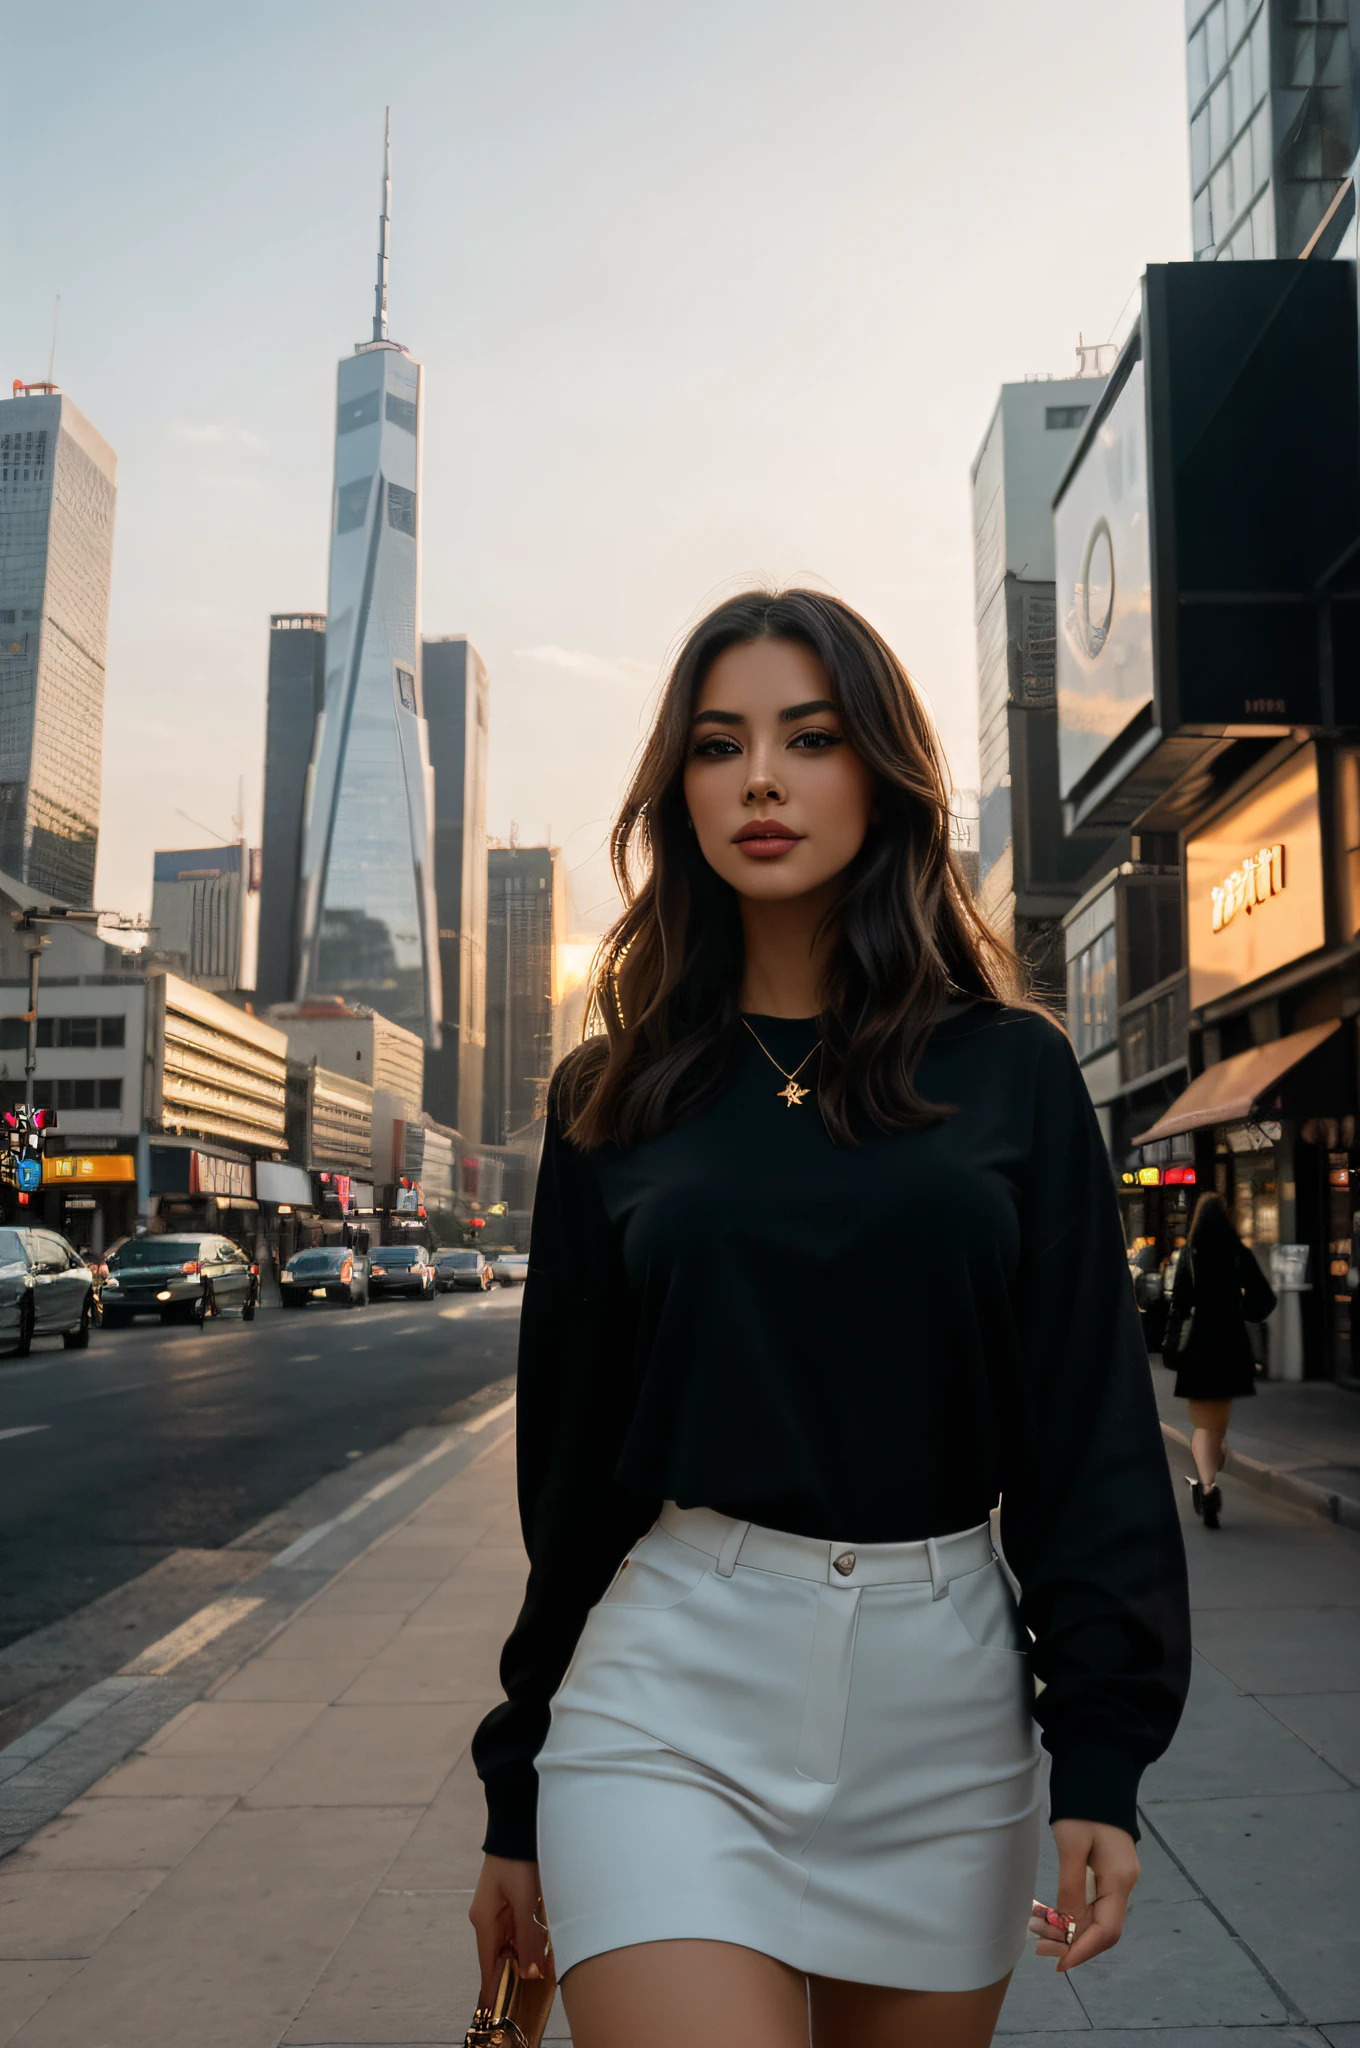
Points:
(1219, 1289)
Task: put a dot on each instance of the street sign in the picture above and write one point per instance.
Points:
(28, 1173)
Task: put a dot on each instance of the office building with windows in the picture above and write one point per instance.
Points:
(56, 549)
(1272, 87)
(457, 706)
(297, 671)
(1028, 874)
(204, 905)
(525, 923)
(368, 923)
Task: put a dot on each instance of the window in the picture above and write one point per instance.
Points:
(1065, 415)
(406, 686)
(75, 1033)
(1221, 207)
(1238, 11)
(356, 412)
(1197, 67)
(401, 412)
(1263, 226)
(1200, 224)
(1092, 996)
(1260, 57)
(78, 1093)
(1241, 170)
(351, 503)
(111, 1030)
(1239, 83)
(13, 1034)
(1199, 148)
(7, 617)
(401, 509)
(1216, 30)
(1220, 121)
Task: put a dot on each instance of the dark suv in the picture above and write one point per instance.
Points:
(185, 1278)
(46, 1290)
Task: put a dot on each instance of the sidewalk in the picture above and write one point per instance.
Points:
(289, 1862)
(1300, 1441)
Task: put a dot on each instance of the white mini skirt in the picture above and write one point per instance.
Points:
(822, 1751)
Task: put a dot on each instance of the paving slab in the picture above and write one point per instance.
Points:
(444, 1851)
(374, 1595)
(25, 1988)
(404, 1972)
(1040, 2002)
(322, 1679)
(1176, 1966)
(1227, 1743)
(227, 1955)
(391, 1755)
(54, 1915)
(1282, 1874)
(1188, 2037)
(333, 1635)
(1281, 1649)
(122, 1834)
(1329, 1722)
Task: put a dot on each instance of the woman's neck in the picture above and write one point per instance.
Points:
(787, 949)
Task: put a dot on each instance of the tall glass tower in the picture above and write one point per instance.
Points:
(56, 551)
(368, 926)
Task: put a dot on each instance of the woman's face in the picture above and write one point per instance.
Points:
(779, 800)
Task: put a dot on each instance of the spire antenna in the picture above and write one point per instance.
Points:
(384, 226)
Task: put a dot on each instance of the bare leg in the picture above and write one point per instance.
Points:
(1209, 1423)
(869, 2016)
(680, 1994)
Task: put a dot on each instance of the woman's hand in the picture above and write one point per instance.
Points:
(1111, 1855)
(503, 1912)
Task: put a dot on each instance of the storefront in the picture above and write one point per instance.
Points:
(91, 1197)
(1273, 989)
(195, 1187)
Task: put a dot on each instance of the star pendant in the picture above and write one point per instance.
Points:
(793, 1094)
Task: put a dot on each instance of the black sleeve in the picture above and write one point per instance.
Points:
(574, 1407)
(1088, 1516)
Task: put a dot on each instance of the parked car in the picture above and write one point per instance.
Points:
(453, 1269)
(402, 1269)
(326, 1273)
(46, 1290)
(185, 1278)
(511, 1268)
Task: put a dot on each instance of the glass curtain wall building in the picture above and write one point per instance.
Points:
(297, 670)
(368, 911)
(56, 549)
(526, 921)
(1272, 89)
(457, 710)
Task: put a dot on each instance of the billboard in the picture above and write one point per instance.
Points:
(1104, 584)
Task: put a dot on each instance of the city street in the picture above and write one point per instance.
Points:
(288, 1859)
(127, 1471)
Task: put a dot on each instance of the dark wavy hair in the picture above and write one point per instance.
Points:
(662, 1019)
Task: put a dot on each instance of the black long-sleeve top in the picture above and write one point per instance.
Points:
(865, 1344)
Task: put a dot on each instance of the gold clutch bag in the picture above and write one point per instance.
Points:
(517, 2014)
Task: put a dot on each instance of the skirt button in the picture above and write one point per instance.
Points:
(845, 1563)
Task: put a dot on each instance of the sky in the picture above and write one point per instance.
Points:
(705, 296)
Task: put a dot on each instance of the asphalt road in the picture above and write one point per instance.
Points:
(160, 1445)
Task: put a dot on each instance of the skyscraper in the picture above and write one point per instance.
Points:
(1274, 125)
(56, 546)
(456, 696)
(368, 914)
(1028, 873)
(203, 904)
(525, 923)
(297, 683)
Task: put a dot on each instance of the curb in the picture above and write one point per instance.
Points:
(1301, 1493)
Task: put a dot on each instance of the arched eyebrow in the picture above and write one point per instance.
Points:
(789, 716)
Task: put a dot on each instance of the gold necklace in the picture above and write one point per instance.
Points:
(792, 1093)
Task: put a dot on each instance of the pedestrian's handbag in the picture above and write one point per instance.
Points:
(518, 2011)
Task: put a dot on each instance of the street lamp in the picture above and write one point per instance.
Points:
(26, 923)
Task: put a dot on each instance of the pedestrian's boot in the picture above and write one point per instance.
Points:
(1196, 1494)
(1213, 1501)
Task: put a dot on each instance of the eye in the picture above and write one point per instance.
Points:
(713, 745)
(816, 739)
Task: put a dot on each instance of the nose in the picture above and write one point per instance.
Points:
(762, 787)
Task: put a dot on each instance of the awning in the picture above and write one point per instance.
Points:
(1228, 1092)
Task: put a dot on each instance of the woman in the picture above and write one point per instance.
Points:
(825, 1257)
(1218, 1290)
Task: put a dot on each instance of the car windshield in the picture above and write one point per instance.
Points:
(318, 1262)
(465, 1262)
(158, 1251)
(12, 1249)
(399, 1256)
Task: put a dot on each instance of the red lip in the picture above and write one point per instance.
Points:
(764, 828)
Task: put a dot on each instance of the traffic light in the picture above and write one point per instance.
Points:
(27, 1131)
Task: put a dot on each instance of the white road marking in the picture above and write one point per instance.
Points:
(489, 1415)
(191, 1636)
(29, 1429)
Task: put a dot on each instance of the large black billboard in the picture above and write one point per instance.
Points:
(1207, 533)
